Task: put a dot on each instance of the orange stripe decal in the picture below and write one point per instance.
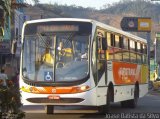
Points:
(56, 90)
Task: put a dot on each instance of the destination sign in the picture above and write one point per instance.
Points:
(56, 28)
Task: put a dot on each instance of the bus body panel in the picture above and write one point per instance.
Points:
(123, 92)
(101, 95)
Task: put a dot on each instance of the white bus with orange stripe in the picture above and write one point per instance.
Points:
(95, 64)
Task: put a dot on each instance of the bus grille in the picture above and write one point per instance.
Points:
(62, 100)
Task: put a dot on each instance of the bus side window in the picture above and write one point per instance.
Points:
(108, 39)
(144, 53)
(102, 46)
(112, 40)
(139, 55)
(125, 49)
(116, 41)
(121, 45)
(117, 49)
(133, 51)
(110, 43)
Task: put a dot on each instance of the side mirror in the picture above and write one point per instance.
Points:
(104, 44)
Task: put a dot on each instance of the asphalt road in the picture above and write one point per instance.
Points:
(148, 107)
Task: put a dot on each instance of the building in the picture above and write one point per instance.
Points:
(8, 31)
(5, 38)
(19, 19)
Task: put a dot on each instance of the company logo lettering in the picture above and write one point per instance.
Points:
(127, 72)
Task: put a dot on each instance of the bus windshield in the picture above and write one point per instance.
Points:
(56, 52)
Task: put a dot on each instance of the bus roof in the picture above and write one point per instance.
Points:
(105, 26)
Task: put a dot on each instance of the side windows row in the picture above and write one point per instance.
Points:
(126, 49)
(125, 43)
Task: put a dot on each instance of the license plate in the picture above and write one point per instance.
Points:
(53, 97)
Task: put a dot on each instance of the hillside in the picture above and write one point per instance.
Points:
(110, 14)
(141, 8)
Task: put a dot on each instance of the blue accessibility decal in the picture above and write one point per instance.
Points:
(48, 76)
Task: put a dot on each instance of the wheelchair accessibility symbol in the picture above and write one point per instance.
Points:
(48, 76)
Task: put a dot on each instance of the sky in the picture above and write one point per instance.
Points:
(84, 3)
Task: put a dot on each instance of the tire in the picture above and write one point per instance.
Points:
(106, 108)
(133, 102)
(49, 109)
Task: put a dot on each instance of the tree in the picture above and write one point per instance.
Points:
(5, 4)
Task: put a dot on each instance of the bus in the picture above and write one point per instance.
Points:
(88, 64)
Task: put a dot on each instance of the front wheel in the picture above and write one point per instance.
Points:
(49, 109)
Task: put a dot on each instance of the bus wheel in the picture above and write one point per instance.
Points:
(105, 108)
(49, 109)
(133, 102)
